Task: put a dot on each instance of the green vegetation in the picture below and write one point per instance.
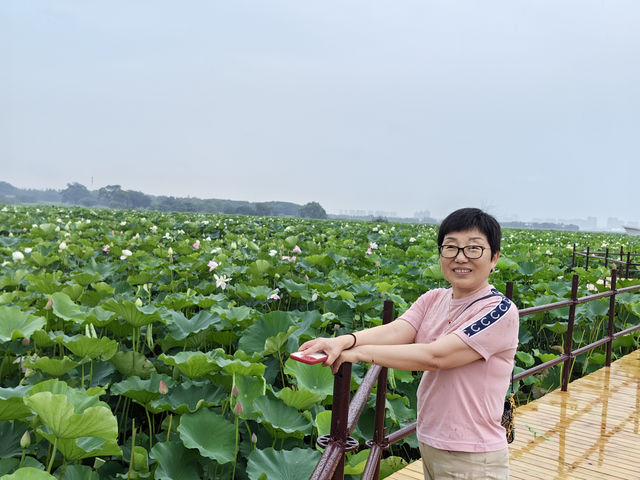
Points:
(153, 345)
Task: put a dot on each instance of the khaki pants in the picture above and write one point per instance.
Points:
(444, 464)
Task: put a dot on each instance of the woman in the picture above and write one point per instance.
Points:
(464, 338)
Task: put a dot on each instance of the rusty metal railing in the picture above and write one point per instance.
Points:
(345, 414)
(622, 262)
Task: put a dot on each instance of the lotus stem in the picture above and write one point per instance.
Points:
(235, 455)
(146, 410)
(53, 454)
(169, 430)
(133, 446)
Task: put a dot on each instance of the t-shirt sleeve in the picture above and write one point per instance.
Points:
(418, 310)
(493, 329)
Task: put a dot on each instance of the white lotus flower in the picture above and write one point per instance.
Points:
(62, 246)
(28, 250)
(125, 253)
(412, 239)
(221, 281)
(273, 253)
(17, 256)
(154, 229)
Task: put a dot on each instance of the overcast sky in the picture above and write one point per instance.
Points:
(524, 108)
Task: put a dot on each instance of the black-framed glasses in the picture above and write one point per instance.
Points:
(470, 251)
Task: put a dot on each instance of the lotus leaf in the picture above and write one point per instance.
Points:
(12, 405)
(175, 462)
(11, 432)
(66, 309)
(75, 472)
(8, 465)
(53, 366)
(28, 473)
(131, 313)
(45, 282)
(390, 465)
(180, 327)
(16, 324)
(142, 391)
(241, 367)
(87, 347)
(132, 364)
(270, 325)
(196, 432)
(282, 464)
(260, 292)
(249, 390)
(188, 397)
(302, 399)
(278, 416)
(83, 447)
(315, 378)
(356, 462)
(323, 422)
(57, 412)
(192, 364)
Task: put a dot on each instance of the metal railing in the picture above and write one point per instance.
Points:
(345, 414)
(622, 260)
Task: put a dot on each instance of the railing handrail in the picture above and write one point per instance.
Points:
(331, 463)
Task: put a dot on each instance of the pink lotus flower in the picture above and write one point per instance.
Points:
(373, 245)
(274, 295)
(105, 249)
(163, 388)
(49, 304)
(368, 252)
(238, 408)
(285, 257)
(212, 265)
(196, 245)
(296, 249)
(293, 259)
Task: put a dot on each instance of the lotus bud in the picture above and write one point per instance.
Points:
(163, 388)
(98, 462)
(62, 246)
(238, 408)
(93, 331)
(25, 441)
(254, 438)
(26, 342)
(235, 392)
(314, 297)
(336, 326)
(49, 304)
(87, 332)
(138, 302)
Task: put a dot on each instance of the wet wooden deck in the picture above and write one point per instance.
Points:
(591, 432)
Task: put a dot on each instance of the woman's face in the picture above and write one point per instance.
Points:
(467, 275)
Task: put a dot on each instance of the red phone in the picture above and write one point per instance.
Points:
(311, 358)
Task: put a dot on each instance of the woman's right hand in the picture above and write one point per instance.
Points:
(332, 347)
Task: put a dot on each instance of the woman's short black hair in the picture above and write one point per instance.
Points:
(468, 219)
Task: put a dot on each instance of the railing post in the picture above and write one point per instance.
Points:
(379, 442)
(586, 266)
(568, 344)
(573, 257)
(340, 413)
(612, 313)
(626, 275)
(621, 252)
(509, 287)
(606, 258)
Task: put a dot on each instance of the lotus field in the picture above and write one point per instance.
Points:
(151, 345)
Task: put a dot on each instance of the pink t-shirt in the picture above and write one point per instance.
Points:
(460, 409)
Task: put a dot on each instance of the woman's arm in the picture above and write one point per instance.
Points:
(446, 352)
(397, 332)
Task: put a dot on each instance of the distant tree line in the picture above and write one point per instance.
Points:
(113, 196)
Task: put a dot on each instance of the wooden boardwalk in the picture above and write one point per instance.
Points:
(591, 432)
